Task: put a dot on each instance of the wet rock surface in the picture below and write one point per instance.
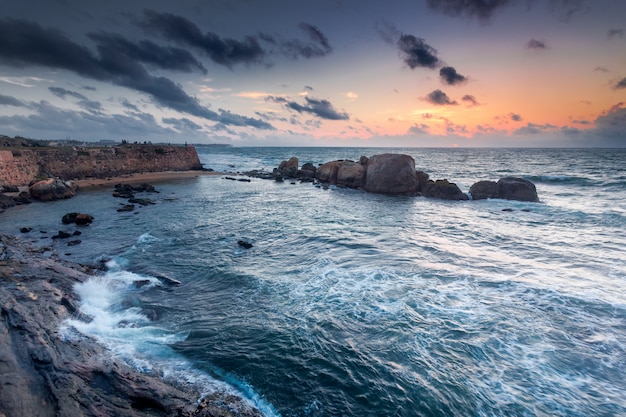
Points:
(44, 374)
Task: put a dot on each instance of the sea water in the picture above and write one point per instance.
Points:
(355, 304)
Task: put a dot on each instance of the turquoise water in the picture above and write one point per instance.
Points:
(353, 304)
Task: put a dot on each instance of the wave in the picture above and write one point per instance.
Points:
(562, 179)
(119, 323)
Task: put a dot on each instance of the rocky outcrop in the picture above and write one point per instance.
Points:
(391, 174)
(444, 190)
(43, 374)
(52, 189)
(343, 173)
(507, 188)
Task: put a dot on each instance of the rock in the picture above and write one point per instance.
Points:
(507, 188)
(77, 218)
(289, 168)
(9, 189)
(6, 201)
(350, 174)
(422, 180)
(244, 244)
(26, 229)
(74, 242)
(126, 207)
(69, 218)
(141, 201)
(61, 235)
(443, 189)
(513, 188)
(391, 174)
(484, 189)
(44, 374)
(328, 172)
(84, 219)
(23, 198)
(52, 189)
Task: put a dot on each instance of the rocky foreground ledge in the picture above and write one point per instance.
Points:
(41, 374)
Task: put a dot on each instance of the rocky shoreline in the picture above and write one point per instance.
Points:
(44, 374)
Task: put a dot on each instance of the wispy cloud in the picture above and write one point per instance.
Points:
(319, 108)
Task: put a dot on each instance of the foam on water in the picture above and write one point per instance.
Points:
(121, 326)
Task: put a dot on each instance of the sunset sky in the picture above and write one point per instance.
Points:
(316, 73)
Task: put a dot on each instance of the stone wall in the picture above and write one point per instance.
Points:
(19, 167)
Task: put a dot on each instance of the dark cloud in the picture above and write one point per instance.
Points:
(181, 124)
(320, 108)
(10, 101)
(25, 43)
(317, 46)
(222, 51)
(50, 122)
(536, 44)
(470, 99)
(84, 102)
(481, 9)
(533, 129)
(417, 53)
(88, 88)
(515, 117)
(615, 32)
(612, 123)
(600, 69)
(419, 129)
(451, 77)
(149, 53)
(438, 97)
(130, 105)
(620, 84)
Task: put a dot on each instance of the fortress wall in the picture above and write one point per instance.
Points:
(21, 166)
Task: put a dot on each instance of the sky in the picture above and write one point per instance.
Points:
(394, 73)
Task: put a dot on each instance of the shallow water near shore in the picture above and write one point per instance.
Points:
(356, 304)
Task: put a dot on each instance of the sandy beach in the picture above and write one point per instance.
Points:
(149, 177)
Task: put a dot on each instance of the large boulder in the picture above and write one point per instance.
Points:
(513, 188)
(328, 171)
(351, 175)
(52, 189)
(391, 174)
(507, 188)
(483, 190)
(289, 168)
(443, 189)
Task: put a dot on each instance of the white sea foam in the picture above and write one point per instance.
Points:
(129, 334)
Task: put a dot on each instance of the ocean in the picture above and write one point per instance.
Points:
(355, 304)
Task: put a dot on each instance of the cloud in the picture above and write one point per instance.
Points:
(148, 52)
(317, 47)
(24, 43)
(620, 84)
(84, 102)
(417, 53)
(222, 51)
(419, 129)
(612, 123)
(451, 77)
(320, 108)
(130, 105)
(440, 98)
(351, 95)
(534, 129)
(600, 69)
(22, 81)
(181, 124)
(536, 44)
(515, 117)
(615, 33)
(482, 9)
(11, 101)
(471, 100)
